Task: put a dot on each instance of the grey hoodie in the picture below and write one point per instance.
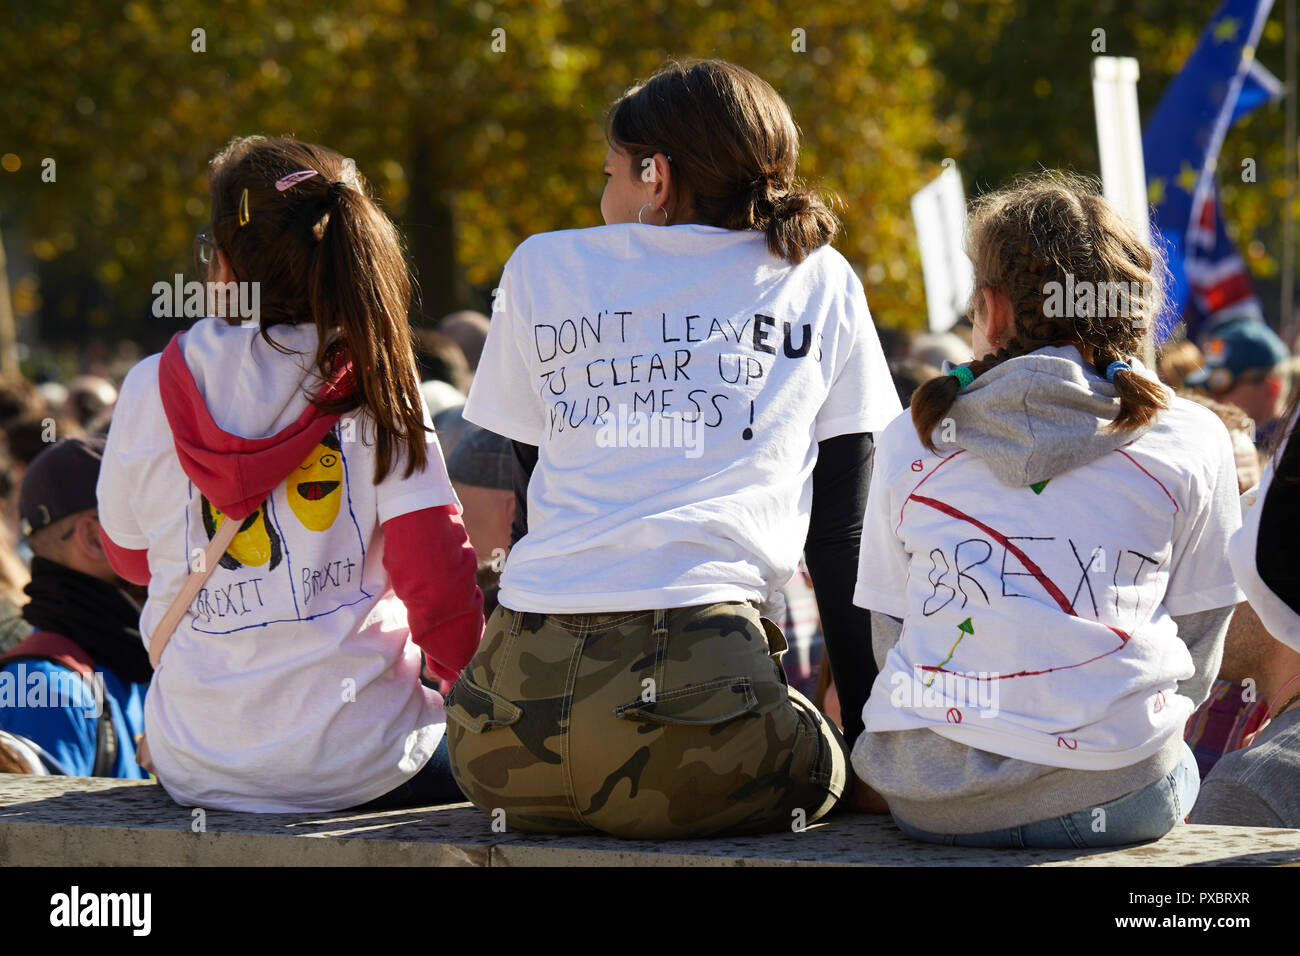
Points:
(1029, 419)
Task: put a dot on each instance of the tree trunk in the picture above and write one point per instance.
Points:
(430, 228)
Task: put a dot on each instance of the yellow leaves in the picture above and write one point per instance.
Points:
(26, 295)
(110, 272)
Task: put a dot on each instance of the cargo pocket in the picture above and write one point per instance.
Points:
(477, 709)
(702, 704)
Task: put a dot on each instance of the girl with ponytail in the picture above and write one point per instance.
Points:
(1045, 551)
(294, 680)
(690, 390)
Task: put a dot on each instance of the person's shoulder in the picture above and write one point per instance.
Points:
(142, 376)
(828, 268)
(829, 259)
(1189, 438)
(542, 246)
(899, 442)
(1185, 414)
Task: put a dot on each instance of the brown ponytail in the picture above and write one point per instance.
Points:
(1036, 241)
(734, 148)
(324, 252)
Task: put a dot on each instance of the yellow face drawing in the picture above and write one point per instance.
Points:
(254, 545)
(316, 487)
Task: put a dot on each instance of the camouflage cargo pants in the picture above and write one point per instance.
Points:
(646, 724)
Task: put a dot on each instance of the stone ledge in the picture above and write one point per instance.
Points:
(78, 821)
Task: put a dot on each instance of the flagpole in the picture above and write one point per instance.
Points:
(1287, 324)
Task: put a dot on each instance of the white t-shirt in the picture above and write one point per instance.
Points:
(676, 381)
(1037, 622)
(1281, 622)
(292, 684)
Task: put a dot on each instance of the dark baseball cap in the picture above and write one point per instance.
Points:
(482, 459)
(1233, 348)
(60, 481)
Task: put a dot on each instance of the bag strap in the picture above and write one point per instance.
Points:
(190, 589)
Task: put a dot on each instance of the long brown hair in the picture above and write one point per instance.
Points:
(734, 147)
(1055, 227)
(325, 253)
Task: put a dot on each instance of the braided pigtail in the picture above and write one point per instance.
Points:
(933, 400)
(1140, 399)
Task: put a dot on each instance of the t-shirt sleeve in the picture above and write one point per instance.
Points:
(120, 472)
(430, 488)
(1200, 577)
(862, 397)
(882, 559)
(502, 398)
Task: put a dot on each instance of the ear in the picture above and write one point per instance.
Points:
(219, 270)
(506, 512)
(1274, 384)
(657, 172)
(88, 539)
(1001, 317)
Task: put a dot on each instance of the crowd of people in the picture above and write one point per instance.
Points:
(678, 543)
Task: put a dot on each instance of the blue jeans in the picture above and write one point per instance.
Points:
(433, 785)
(1136, 817)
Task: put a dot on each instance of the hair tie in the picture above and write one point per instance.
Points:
(1114, 368)
(293, 179)
(244, 214)
(962, 374)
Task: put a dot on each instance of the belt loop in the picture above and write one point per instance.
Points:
(660, 628)
(516, 623)
(659, 634)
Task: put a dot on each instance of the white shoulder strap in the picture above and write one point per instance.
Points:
(190, 589)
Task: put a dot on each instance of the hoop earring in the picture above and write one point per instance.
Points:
(641, 211)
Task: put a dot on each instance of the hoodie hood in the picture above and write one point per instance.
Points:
(239, 410)
(1038, 416)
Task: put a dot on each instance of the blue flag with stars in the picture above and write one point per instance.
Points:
(1219, 83)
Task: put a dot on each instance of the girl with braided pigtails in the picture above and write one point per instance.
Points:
(1044, 551)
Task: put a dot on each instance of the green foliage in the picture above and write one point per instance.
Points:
(472, 149)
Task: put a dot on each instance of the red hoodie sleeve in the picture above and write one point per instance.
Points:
(433, 568)
(128, 563)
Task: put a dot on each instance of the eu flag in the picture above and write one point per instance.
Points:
(1219, 83)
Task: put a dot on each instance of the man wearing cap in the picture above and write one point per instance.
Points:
(481, 472)
(75, 688)
(1244, 366)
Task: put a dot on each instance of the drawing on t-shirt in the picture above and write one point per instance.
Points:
(314, 490)
(255, 544)
(967, 550)
(964, 628)
(588, 378)
(293, 559)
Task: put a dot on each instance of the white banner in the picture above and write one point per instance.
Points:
(1119, 139)
(939, 211)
